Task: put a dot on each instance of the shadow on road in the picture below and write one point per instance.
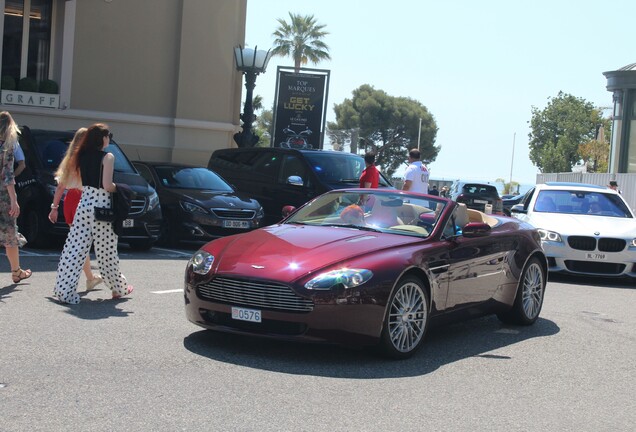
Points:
(592, 281)
(443, 345)
(94, 309)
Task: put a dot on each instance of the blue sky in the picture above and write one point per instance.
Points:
(478, 67)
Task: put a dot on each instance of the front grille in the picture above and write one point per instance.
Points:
(592, 267)
(153, 229)
(137, 206)
(234, 214)
(254, 293)
(611, 245)
(582, 243)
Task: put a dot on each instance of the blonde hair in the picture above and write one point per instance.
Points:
(63, 174)
(8, 128)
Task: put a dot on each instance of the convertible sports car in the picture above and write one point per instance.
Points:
(368, 267)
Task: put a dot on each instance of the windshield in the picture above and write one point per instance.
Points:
(578, 202)
(191, 178)
(51, 148)
(339, 168)
(372, 210)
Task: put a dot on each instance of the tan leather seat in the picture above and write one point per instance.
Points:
(461, 215)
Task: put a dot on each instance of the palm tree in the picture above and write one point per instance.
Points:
(301, 40)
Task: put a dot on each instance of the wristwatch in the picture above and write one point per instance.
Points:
(53, 206)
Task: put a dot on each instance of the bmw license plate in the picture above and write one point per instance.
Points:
(480, 201)
(128, 223)
(595, 256)
(235, 224)
(243, 314)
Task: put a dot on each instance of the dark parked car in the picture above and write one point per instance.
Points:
(368, 267)
(510, 201)
(477, 196)
(277, 177)
(197, 204)
(44, 150)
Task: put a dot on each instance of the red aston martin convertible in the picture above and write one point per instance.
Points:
(368, 267)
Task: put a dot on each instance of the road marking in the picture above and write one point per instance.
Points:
(172, 251)
(168, 291)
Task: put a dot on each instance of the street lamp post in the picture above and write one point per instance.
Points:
(250, 62)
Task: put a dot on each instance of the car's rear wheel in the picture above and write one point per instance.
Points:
(529, 299)
(406, 319)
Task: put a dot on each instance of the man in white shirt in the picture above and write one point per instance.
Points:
(416, 174)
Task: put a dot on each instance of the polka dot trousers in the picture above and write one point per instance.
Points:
(84, 232)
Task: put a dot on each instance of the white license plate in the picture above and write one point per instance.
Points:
(235, 224)
(595, 256)
(243, 314)
(128, 223)
(480, 201)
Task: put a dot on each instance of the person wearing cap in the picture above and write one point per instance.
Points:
(614, 186)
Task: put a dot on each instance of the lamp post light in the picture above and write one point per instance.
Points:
(250, 62)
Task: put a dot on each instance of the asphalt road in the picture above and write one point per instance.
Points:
(136, 364)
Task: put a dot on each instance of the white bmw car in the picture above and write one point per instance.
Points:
(585, 229)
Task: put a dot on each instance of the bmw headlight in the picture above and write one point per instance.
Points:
(633, 243)
(153, 201)
(201, 262)
(549, 236)
(349, 278)
(192, 208)
(260, 213)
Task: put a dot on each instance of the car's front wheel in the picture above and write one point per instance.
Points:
(406, 319)
(529, 299)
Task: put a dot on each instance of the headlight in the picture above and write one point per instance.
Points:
(153, 201)
(201, 262)
(260, 213)
(192, 208)
(633, 242)
(549, 236)
(348, 277)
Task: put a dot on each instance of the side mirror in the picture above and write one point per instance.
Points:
(518, 208)
(295, 180)
(476, 229)
(287, 210)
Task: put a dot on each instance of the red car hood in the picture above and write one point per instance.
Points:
(287, 252)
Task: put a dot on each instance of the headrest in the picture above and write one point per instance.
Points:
(461, 215)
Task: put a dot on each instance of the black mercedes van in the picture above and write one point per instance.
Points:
(277, 177)
(35, 186)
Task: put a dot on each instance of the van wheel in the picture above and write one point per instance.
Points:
(141, 244)
(33, 228)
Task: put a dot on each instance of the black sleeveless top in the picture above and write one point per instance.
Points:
(90, 164)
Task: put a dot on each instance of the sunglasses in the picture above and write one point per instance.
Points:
(109, 135)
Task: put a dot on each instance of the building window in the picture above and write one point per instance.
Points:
(26, 45)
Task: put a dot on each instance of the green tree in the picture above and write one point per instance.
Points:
(595, 153)
(301, 39)
(263, 127)
(557, 131)
(386, 124)
(508, 188)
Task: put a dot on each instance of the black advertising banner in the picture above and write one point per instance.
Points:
(299, 110)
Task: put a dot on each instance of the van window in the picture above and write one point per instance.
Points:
(51, 148)
(293, 166)
(338, 167)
